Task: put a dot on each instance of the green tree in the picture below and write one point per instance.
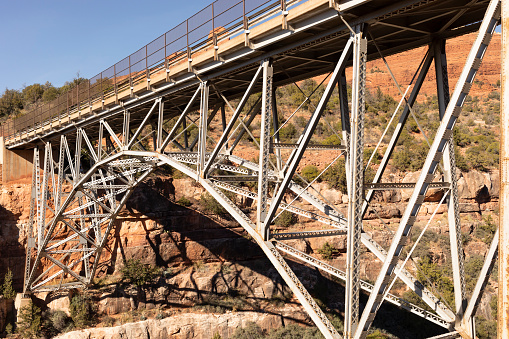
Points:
(8, 291)
(335, 176)
(29, 325)
(11, 102)
(50, 92)
(286, 219)
(82, 310)
(137, 273)
(32, 94)
(328, 251)
(310, 172)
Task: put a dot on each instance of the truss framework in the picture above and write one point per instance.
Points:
(78, 193)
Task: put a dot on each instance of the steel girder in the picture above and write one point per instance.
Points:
(78, 195)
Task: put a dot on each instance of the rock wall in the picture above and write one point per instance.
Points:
(182, 326)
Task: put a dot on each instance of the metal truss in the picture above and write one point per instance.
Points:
(82, 181)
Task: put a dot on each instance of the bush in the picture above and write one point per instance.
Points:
(377, 334)
(328, 251)
(485, 328)
(137, 273)
(184, 202)
(210, 204)
(30, 322)
(335, 176)
(288, 132)
(285, 219)
(82, 310)
(7, 290)
(430, 273)
(55, 322)
(294, 331)
(310, 172)
(251, 331)
(486, 230)
(411, 157)
(332, 140)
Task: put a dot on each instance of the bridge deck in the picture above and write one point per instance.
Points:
(229, 56)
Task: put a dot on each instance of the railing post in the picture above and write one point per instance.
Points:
(146, 68)
(284, 13)
(189, 60)
(115, 83)
(102, 92)
(246, 25)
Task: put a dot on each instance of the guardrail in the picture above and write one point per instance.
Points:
(221, 20)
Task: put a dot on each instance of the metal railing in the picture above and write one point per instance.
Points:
(220, 21)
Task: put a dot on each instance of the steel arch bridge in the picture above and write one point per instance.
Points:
(194, 111)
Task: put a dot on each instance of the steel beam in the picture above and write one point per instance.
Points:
(263, 178)
(453, 213)
(356, 178)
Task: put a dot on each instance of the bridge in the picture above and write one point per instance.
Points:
(192, 99)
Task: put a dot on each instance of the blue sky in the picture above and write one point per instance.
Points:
(52, 40)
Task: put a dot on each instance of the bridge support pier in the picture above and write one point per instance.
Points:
(16, 164)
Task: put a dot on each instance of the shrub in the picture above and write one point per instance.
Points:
(251, 331)
(30, 322)
(294, 331)
(332, 140)
(216, 336)
(210, 204)
(485, 328)
(288, 132)
(8, 291)
(430, 273)
(335, 176)
(8, 329)
(377, 334)
(286, 219)
(328, 251)
(108, 321)
(486, 230)
(310, 172)
(55, 322)
(137, 273)
(82, 310)
(184, 202)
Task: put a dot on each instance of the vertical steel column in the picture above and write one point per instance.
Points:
(202, 144)
(42, 197)
(160, 121)
(125, 129)
(356, 178)
(33, 206)
(503, 267)
(77, 156)
(223, 120)
(263, 182)
(442, 80)
(345, 120)
(275, 122)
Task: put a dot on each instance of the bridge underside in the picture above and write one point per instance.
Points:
(223, 127)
